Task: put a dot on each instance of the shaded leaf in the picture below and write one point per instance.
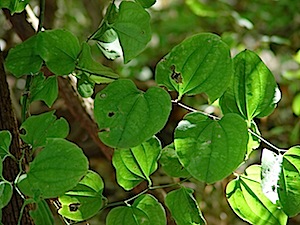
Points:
(39, 128)
(127, 116)
(6, 191)
(42, 214)
(211, 150)
(15, 6)
(146, 3)
(184, 208)
(199, 64)
(124, 215)
(247, 200)
(55, 170)
(5, 140)
(24, 59)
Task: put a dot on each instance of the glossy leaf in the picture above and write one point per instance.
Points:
(15, 6)
(247, 200)
(83, 201)
(199, 64)
(154, 210)
(133, 28)
(6, 191)
(211, 150)
(296, 105)
(44, 89)
(127, 116)
(55, 170)
(97, 72)
(146, 3)
(5, 140)
(24, 59)
(59, 49)
(145, 210)
(289, 182)
(183, 207)
(253, 92)
(139, 161)
(171, 164)
(39, 128)
(42, 214)
(270, 171)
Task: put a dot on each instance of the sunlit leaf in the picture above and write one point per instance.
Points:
(247, 200)
(211, 150)
(296, 105)
(133, 28)
(253, 91)
(184, 208)
(83, 201)
(199, 64)
(127, 116)
(39, 128)
(59, 49)
(55, 170)
(24, 59)
(289, 182)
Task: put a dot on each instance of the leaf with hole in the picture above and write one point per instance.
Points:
(83, 201)
(127, 116)
(199, 64)
(56, 169)
(5, 140)
(139, 163)
(6, 191)
(39, 128)
(184, 208)
(97, 72)
(145, 210)
(211, 150)
(59, 49)
(171, 164)
(246, 198)
(24, 59)
(42, 214)
(289, 182)
(45, 89)
(133, 28)
(253, 91)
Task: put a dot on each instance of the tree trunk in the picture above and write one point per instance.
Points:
(11, 213)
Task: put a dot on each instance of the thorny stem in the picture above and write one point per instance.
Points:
(217, 118)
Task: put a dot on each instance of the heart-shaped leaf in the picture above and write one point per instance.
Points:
(247, 200)
(199, 64)
(127, 117)
(211, 150)
(6, 191)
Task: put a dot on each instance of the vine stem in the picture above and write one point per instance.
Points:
(217, 118)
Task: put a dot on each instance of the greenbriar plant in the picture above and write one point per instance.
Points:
(205, 147)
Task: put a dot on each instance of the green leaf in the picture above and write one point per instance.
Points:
(83, 201)
(211, 150)
(253, 92)
(98, 73)
(145, 210)
(5, 140)
(296, 105)
(39, 128)
(133, 29)
(6, 191)
(55, 170)
(146, 3)
(127, 117)
(85, 86)
(270, 171)
(247, 200)
(42, 214)
(59, 49)
(136, 164)
(289, 182)
(15, 6)
(184, 208)
(199, 64)
(24, 59)
(44, 89)
(253, 141)
(154, 210)
(171, 164)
